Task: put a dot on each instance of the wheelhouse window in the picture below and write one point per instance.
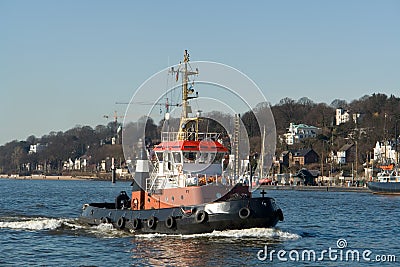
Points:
(203, 157)
(189, 157)
(177, 157)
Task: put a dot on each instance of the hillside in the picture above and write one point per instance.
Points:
(378, 119)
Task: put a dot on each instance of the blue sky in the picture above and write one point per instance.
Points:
(66, 63)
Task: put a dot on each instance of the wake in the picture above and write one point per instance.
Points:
(270, 233)
(36, 223)
(68, 225)
(60, 226)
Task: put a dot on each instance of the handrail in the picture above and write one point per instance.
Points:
(173, 136)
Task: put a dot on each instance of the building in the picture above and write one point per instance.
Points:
(299, 157)
(346, 154)
(383, 153)
(308, 177)
(343, 116)
(36, 148)
(298, 132)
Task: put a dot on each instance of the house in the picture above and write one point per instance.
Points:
(307, 176)
(343, 116)
(302, 157)
(77, 164)
(299, 157)
(346, 154)
(299, 132)
(36, 148)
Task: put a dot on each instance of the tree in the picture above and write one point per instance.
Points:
(305, 101)
(31, 140)
(339, 103)
(250, 122)
(16, 158)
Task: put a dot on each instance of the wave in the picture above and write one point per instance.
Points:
(36, 223)
(108, 231)
(59, 226)
(272, 233)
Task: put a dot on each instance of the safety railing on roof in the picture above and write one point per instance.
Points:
(176, 136)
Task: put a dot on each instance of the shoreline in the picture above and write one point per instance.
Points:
(45, 177)
(266, 187)
(60, 178)
(316, 188)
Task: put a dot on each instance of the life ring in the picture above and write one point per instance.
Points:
(170, 222)
(244, 213)
(151, 222)
(105, 220)
(121, 223)
(136, 224)
(201, 216)
(279, 213)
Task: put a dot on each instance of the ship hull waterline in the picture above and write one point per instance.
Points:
(237, 214)
(388, 188)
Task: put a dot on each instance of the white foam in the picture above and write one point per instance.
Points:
(73, 224)
(33, 224)
(107, 230)
(245, 233)
(105, 227)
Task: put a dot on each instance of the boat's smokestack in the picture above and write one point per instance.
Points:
(142, 166)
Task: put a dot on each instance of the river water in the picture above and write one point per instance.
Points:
(38, 227)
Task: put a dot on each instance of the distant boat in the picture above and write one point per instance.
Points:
(388, 181)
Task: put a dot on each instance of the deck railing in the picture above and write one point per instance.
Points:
(176, 136)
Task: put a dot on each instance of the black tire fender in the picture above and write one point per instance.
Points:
(201, 216)
(121, 223)
(152, 222)
(136, 224)
(244, 213)
(170, 222)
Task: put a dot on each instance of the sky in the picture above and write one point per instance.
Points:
(67, 63)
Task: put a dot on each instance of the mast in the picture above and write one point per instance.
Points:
(186, 91)
(385, 143)
(236, 144)
(262, 155)
(185, 86)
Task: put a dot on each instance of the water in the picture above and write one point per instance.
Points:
(38, 227)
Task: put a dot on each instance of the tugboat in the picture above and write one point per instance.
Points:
(187, 191)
